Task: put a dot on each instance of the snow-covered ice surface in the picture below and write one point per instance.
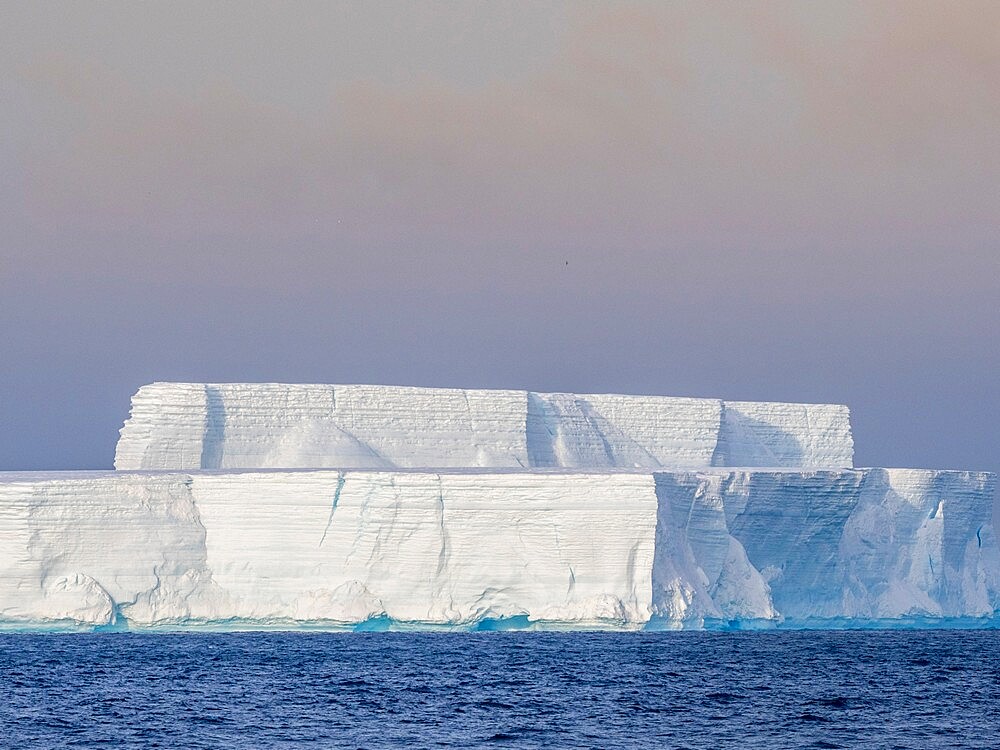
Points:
(473, 549)
(232, 426)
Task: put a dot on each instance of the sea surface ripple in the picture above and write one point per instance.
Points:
(807, 689)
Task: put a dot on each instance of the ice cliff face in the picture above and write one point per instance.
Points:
(593, 511)
(326, 548)
(825, 547)
(84, 548)
(364, 549)
(229, 426)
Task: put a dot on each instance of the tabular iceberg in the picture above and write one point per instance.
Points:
(369, 507)
(254, 426)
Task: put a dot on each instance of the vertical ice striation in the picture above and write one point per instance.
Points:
(702, 572)
(229, 426)
(432, 548)
(825, 547)
(948, 565)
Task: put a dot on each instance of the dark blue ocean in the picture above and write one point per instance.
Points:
(860, 689)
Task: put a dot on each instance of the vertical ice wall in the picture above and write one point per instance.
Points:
(100, 548)
(205, 426)
(432, 548)
(825, 547)
(609, 431)
(196, 426)
(754, 433)
(325, 548)
(172, 427)
(463, 549)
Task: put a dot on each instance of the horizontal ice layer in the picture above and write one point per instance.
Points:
(253, 426)
(709, 548)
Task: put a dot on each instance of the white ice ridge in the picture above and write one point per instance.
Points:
(256, 426)
(486, 549)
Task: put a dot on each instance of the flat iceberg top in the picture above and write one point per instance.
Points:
(470, 549)
(272, 425)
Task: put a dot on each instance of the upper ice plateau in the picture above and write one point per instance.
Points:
(253, 426)
(255, 506)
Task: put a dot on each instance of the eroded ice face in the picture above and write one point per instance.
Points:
(496, 548)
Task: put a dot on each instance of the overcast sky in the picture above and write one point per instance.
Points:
(781, 201)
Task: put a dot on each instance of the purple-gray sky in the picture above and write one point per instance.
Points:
(784, 201)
